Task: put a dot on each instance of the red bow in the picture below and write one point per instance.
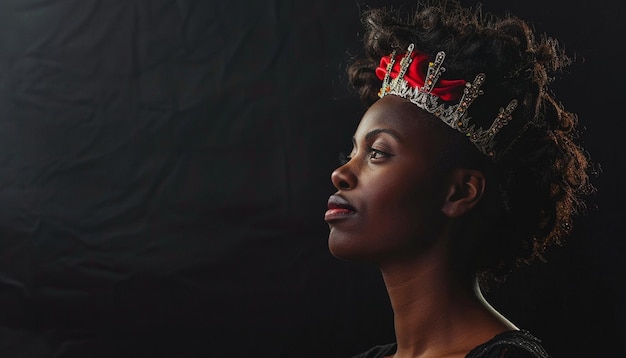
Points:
(447, 90)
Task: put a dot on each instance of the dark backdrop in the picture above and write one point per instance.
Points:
(164, 169)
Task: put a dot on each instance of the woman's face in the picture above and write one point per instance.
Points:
(389, 193)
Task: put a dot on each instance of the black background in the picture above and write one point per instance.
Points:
(164, 170)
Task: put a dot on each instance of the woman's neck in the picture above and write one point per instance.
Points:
(434, 315)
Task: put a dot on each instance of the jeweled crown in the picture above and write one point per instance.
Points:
(423, 92)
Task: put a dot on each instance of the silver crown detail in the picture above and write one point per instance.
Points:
(455, 115)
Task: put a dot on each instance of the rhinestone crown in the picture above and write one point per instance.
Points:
(454, 115)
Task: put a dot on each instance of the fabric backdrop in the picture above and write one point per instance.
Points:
(165, 165)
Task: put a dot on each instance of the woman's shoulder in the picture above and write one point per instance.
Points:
(510, 344)
(378, 351)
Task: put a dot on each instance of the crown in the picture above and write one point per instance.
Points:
(430, 94)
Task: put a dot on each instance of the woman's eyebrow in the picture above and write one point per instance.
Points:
(392, 133)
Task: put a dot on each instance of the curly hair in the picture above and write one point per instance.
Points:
(543, 174)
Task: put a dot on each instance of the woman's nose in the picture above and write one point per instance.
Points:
(343, 178)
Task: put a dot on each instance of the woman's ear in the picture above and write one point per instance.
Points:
(465, 189)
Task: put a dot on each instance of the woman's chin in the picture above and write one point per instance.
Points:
(342, 248)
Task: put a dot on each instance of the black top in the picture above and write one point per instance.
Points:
(510, 344)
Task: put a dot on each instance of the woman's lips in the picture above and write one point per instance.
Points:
(338, 208)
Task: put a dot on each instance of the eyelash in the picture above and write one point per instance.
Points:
(343, 158)
(374, 154)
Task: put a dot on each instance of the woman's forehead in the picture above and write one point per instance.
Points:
(397, 114)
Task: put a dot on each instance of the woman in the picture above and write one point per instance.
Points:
(463, 167)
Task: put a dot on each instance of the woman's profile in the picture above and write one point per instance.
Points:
(464, 166)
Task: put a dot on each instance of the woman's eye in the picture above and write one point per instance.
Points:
(378, 154)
